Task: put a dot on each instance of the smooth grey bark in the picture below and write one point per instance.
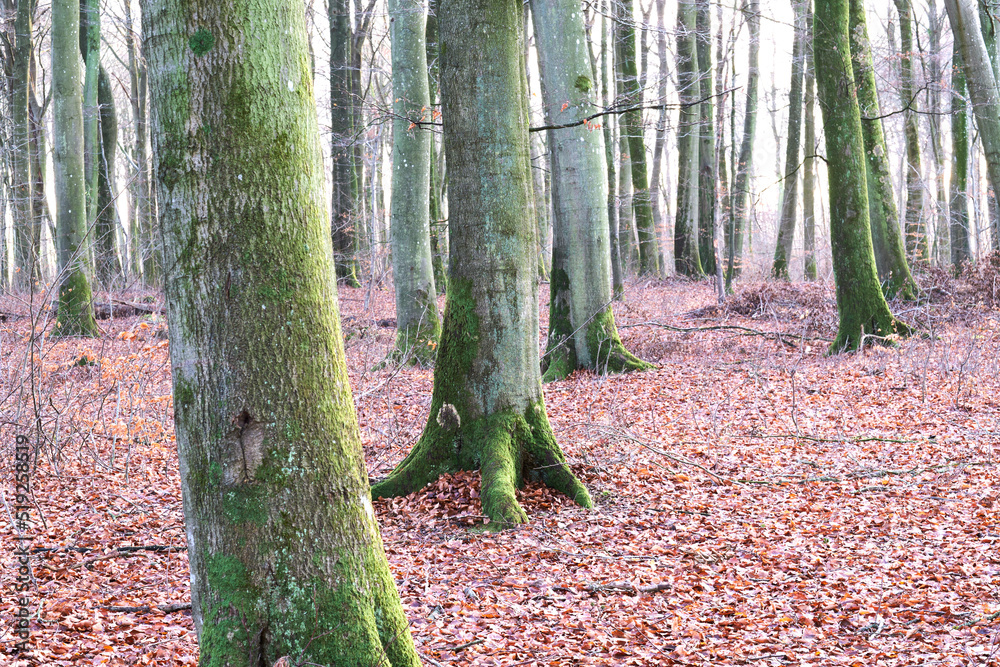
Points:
(285, 555)
(582, 332)
(608, 126)
(107, 260)
(417, 323)
(959, 208)
(809, 159)
(438, 220)
(632, 134)
(916, 233)
(143, 249)
(935, 75)
(790, 191)
(890, 251)
(90, 50)
(75, 315)
(707, 164)
(687, 258)
(343, 213)
(744, 166)
(21, 82)
(487, 410)
(982, 84)
(861, 307)
(660, 142)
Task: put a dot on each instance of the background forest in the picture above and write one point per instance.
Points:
(752, 248)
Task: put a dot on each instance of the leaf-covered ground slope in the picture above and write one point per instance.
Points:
(757, 503)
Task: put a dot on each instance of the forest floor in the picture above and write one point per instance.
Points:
(756, 501)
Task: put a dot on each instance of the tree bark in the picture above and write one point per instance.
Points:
(487, 411)
(744, 166)
(144, 250)
(790, 192)
(75, 316)
(861, 306)
(417, 323)
(890, 253)
(26, 260)
(582, 332)
(343, 214)
(284, 549)
(936, 78)
(608, 126)
(108, 262)
(660, 142)
(959, 208)
(687, 258)
(808, 160)
(982, 84)
(706, 138)
(632, 134)
(90, 51)
(438, 220)
(916, 233)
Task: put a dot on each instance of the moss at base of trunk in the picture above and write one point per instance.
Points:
(880, 327)
(310, 620)
(607, 348)
(506, 446)
(416, 346)
(75, 315)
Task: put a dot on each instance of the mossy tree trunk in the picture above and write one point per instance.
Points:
(582, 332)
(75, 314)
(487, 411)
(982, 86)
(632, 136)
(790, 191)
(744, 166)
(890, 252)
(916, 233)
(861, 305)
(687, 258)
(417, 323)
(809, 159)
(707, 164)
(343, 213)
(959, 207)
(284, 549)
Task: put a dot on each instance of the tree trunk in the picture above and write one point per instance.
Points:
(438, 221)
(890, 253)
(659, 144)
(109, 265)
(916, 234)
(75, 314)
(417, 323)
(608, 127)
(790, 192)
(982, 84)
(90, 50)
(959, 209)
(687, 258)
(343, 214)
(989, 16)
(940, 219)
(706, 138)
(284, 550)
(144, 249)
(744, 166)
(860, 303)
(487, 411)
(25, 258)
(632, 135)
(809, 161)
(582, 332)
